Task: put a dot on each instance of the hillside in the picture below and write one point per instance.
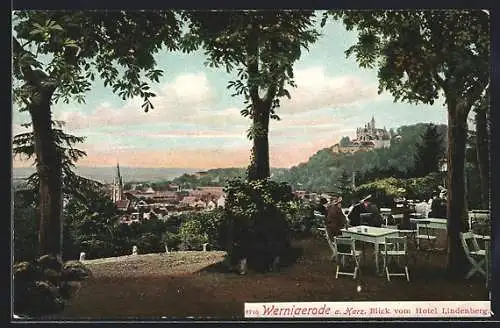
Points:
(215, 177)
(323, 170)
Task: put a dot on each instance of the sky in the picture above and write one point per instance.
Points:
(196, 123)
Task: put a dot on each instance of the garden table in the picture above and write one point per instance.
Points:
(372, 235)
(434, 223)
(480, 215)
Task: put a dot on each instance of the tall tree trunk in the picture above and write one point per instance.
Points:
(482, 145)
(259, 165)
(456, 203)
(49, 172)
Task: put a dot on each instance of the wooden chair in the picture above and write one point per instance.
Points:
(346, 249)
(330, 243)
(487, 248)
(424, 233)
(395, 249)
(475, 255)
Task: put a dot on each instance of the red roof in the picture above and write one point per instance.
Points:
(122, 204)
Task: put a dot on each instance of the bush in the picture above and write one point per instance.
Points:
(25, 227)
(257, 226)
(300, 217)
(96, 248)
(192, 235)
(149, 242)
(43, 286)
(383, 191)
(422, 188)
(171, 240)
(213, 225)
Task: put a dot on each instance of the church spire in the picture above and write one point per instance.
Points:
(118, 175)
(117, 185)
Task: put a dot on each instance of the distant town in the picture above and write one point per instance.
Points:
(141, 202)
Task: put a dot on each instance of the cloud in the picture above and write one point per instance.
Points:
(174, 101)
(191, 97)
(316, 90)
(189, 128)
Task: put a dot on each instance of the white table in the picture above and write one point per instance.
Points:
(433, 223)
(373, 235)
(481, 215)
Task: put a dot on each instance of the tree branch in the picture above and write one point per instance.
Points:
(253, 64)
(440, 81)
(27, 71)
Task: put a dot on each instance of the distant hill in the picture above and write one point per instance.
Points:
(216, 177)
(106, 174)
(144, 174)
(323, 170)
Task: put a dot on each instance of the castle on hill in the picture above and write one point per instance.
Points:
(368, 138)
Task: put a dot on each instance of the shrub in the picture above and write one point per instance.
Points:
(96, 248)
(422, 188)
(383, 191)
(257, 226)
(213, 225)
(192, 235)
(43, 286)
(149, 242)
(300, 217)
(171, 240)
(25, 227)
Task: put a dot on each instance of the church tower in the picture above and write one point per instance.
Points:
(117, 185)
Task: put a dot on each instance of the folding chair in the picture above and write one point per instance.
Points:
(346, 248)
(478, 217)
(411, 242)
(395, 248)
(487, 249)
(424, 233)
(386, 214)
(330, 243)
(475, 255)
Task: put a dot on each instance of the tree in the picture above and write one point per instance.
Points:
(262, 47)
(73, 185)
(483, 147)
(91, 220)
(420, 54)
(429, 152)
(344, 141)
(344, 185)
(56, 56)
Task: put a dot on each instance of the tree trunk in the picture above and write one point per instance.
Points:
(456, 199)
(259, 164)
(49, 172)
(482, 145)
